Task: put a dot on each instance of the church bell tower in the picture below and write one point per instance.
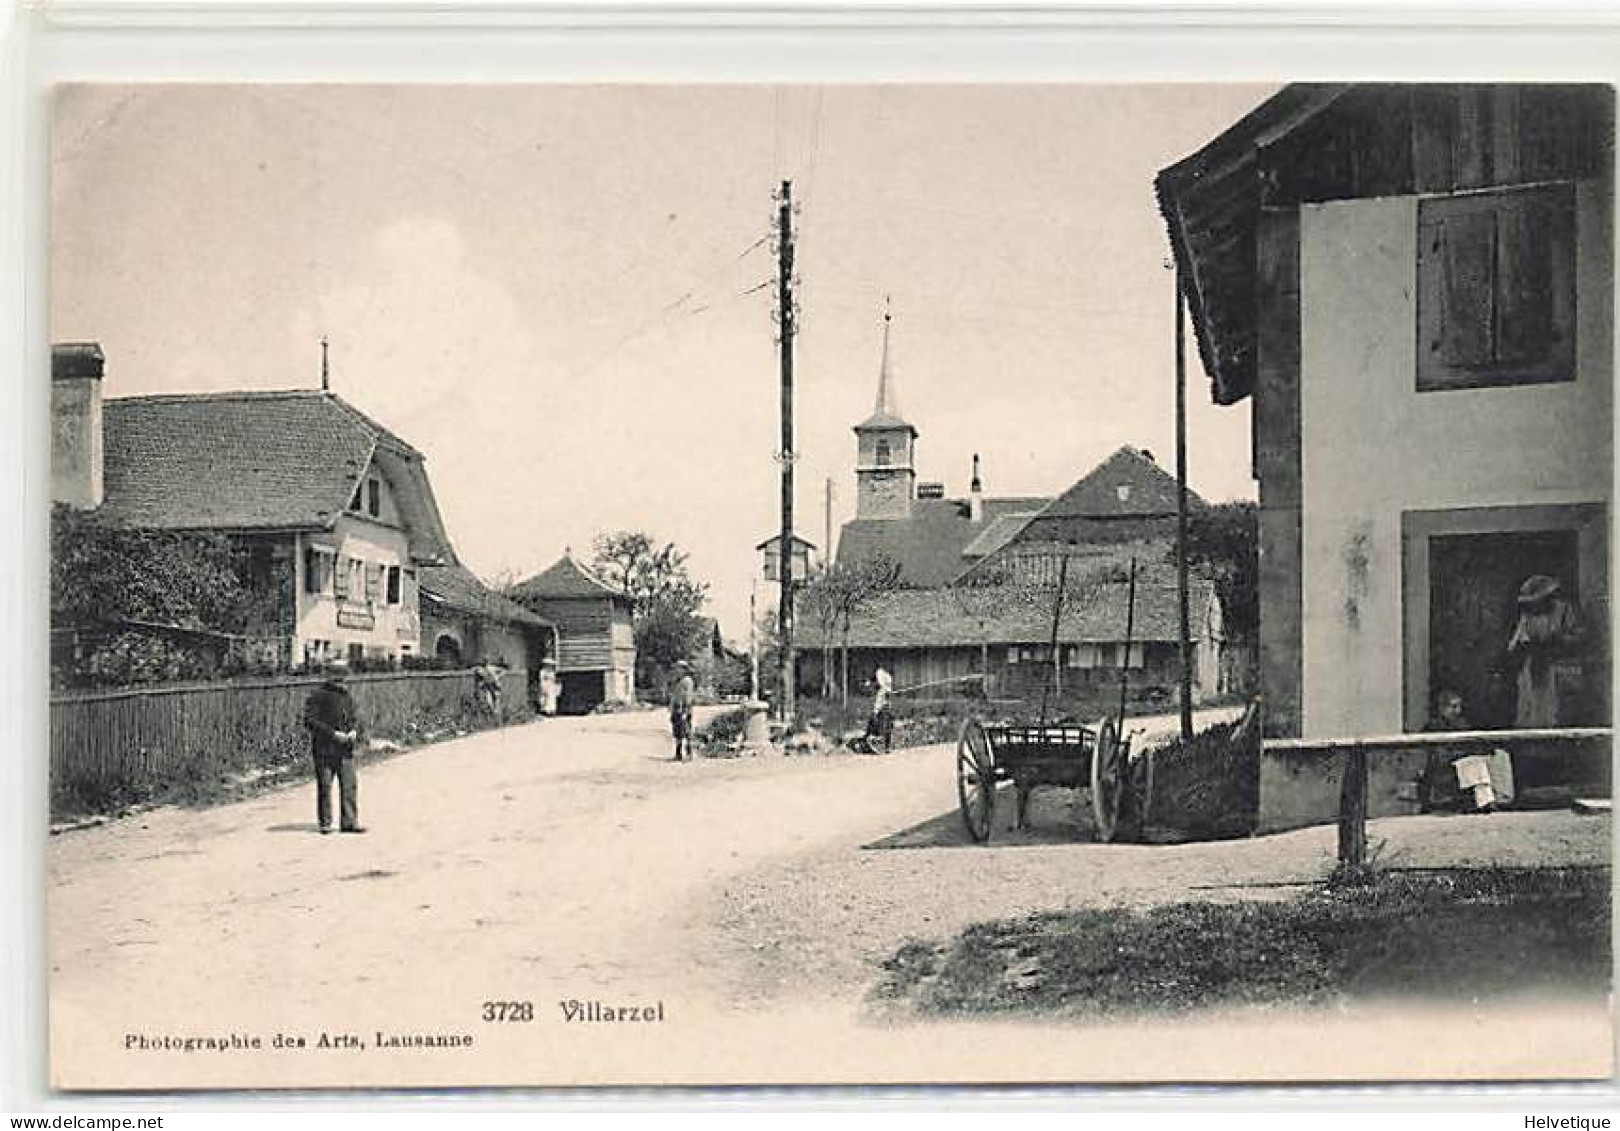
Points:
(885, 450)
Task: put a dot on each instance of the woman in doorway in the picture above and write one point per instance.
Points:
(1543, 645)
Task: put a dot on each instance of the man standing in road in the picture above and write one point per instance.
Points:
(682, 691)
(334, 731)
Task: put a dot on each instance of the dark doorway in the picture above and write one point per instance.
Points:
(446, 648)
(580, 692)
(1474, 583)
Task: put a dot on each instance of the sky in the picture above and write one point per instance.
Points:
(555, 293)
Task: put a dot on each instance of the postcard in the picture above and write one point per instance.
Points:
(829, 585)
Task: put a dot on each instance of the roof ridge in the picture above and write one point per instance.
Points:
(222, 395)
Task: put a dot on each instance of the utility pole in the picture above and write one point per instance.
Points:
(1185, 638)
(826, 525)
(785, 327)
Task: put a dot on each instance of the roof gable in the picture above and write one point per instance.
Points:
(1128, 484)
(566, 579)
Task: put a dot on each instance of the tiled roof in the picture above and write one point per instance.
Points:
(882, 420)
(966, 616)
(459, 588)
(248, 461)
(1148, 490)
(564, 579)
(929, 546)
(997, 533)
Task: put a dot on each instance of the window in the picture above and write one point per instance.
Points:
(317, 569)
(343, 579)
(373, 577)
(373, 498)
(1012, 655)
(882, 453)
(357, 652)
(1496, 289)
(393, 585)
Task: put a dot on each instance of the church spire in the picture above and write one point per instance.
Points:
(888, 401)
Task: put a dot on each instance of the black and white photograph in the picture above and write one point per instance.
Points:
(660, 584)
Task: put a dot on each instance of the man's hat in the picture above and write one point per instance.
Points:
(1536, 588)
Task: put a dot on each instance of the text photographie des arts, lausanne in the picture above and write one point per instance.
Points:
(626, 585)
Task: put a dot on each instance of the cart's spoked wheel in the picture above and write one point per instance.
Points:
(1108, 784)
(976, 780)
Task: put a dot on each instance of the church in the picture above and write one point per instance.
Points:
(978, 575)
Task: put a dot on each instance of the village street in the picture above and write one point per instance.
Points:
(753, 898)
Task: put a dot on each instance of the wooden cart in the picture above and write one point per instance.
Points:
(1095, 759)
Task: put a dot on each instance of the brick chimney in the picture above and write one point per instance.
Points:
(76, 433)
(976, 494)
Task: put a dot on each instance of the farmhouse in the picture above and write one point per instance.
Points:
(1412, 289)
(331, 514)
(1004, 633)
(1412, 286)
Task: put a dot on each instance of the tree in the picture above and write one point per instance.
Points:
(665, 600)
(1022, 588)
(125, 602)
(1223, 544)
(837, 595)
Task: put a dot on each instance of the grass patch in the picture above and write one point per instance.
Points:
(1445, 935)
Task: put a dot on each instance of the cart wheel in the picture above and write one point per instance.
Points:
(976, 780)
(1108, 780)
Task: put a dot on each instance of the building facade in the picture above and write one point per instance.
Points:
(1413, 287)
(331, 516)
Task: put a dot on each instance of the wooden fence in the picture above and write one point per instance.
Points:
(113, 746)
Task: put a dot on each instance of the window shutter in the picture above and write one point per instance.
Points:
(1534, 239)
(1466, 247)
(312, 570)
(1496, 288)
(393, 585)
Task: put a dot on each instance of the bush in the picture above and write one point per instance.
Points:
(724, 729)
(1210, 789)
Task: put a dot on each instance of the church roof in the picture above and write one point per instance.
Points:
(886, 412)
(931, 545)
(880, 421)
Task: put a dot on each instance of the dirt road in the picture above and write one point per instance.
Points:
(740, 905)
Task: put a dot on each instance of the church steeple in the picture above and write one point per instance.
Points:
(885, 467)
